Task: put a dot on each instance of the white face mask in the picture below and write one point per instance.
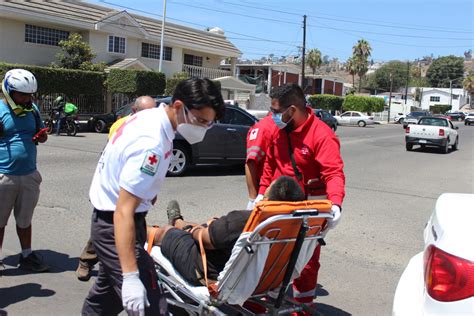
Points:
(191, 132)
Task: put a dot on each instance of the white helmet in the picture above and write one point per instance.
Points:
(20, 80)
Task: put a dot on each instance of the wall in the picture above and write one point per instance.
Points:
(14, 49)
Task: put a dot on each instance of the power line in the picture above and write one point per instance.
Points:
(348, 20)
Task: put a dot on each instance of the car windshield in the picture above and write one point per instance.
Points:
(433, 121)
(416, 114)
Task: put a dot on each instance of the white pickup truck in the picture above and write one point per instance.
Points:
(432, 131)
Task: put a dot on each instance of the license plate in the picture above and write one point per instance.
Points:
(422, 141)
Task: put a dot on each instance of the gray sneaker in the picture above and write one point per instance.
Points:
(33, 263)
(173, 211)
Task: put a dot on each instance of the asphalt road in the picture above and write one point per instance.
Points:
(390, 195)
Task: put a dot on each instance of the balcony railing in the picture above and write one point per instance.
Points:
(203, 72)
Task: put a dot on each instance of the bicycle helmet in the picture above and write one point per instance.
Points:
(20, 80)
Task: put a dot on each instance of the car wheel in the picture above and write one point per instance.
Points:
(409, 147)
(446, 148)
(400, 121)
(456, 144)
(100, 126)
(179, 160)
(361, 123)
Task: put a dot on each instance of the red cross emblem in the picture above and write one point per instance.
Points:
(152, 159)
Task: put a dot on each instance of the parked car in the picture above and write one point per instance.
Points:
(455, 116)
(327, 118)
(354, 118)
(413, 117)
(399, 118)
(440, 279)
(100, 123)
(432, 131)
(469, 119)
(224, 143)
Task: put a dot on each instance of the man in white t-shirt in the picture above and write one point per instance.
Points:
(128, 176)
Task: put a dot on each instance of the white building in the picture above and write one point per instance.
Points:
(433, 96)
(30, 32)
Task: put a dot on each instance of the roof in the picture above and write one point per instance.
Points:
(232, 83)
(84, 15)
(127, 63)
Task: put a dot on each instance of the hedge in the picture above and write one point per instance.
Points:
(171, 83)
(326, 101)
(65, 81)
(136, 82)
(440, 108)
(363, 104)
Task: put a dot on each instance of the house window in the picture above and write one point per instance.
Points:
(43, 35)
(193, 60)
(153, 51)
(455, 96)
(117, 44)
(434, 99)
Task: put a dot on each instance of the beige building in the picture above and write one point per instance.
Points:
(30, 32)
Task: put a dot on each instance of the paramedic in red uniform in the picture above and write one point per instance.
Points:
(308, 150)
(259, 138)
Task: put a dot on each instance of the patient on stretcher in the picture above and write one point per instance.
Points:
(179, 241)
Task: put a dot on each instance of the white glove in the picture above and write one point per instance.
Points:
(250, 205)
(134, 297)
(336, 216)
(259, 198)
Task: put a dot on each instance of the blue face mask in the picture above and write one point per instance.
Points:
(278, 121)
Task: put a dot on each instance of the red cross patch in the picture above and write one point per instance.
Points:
(253, 134)
(150, 163)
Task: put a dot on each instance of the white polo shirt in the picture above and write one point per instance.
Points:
(136, 159)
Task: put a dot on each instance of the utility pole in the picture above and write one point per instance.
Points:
(390, 99)
(406, 86)
(304, 52)
(451, 95)
(162, 36)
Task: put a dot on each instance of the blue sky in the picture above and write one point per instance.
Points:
(396, 30)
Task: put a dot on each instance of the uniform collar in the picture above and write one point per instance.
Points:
(169, 131)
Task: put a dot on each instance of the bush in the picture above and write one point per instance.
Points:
(440, 108)
(64, 81)
(326, 101)
(171, 83)
(363, 104)
(135, 82)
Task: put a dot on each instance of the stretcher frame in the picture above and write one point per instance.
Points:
(311, 224)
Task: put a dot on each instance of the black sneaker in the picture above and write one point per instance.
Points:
(173, 212)
(33, 263)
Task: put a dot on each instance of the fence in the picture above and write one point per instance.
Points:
(87, 104)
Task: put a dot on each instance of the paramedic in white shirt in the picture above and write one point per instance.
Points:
(128, 176)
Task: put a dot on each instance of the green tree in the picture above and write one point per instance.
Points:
(468, 83)
(398, 70)
(361, 52)
(351, 69)
(313, 59)
(445, 69)
(76, 54)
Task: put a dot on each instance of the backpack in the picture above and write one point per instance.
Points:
(70, 109)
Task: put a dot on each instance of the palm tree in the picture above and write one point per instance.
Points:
(468, 84)
(351, 69)
(361, 52)
(313, 59)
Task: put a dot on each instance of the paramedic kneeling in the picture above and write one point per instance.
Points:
(129, 175)
(180, 242)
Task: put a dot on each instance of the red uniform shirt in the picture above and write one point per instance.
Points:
(259, 139)
(317, 155)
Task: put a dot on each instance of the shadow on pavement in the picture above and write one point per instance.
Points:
(328, 310)
(430, 150)
(22, 292)
(58, 262)
(215, 171)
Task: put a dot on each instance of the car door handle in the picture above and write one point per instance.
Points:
(232, 130)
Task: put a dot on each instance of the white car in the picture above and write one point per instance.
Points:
(399, 118)
(432, 131)
(440, 280)
(354, 118)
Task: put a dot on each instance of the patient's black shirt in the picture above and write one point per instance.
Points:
(224, 232)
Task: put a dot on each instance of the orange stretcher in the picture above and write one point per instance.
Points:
(275, 245)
